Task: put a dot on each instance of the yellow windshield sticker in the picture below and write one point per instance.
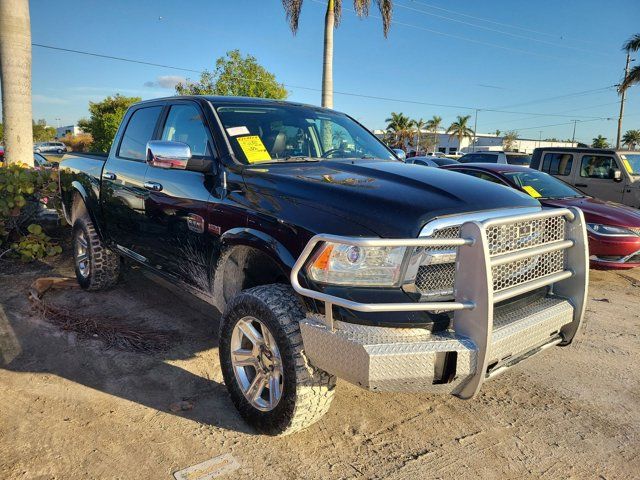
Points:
(253, 149)
(627, 165)
(531, 191)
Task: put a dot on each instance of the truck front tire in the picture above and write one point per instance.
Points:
(270, 381)
(97, 267)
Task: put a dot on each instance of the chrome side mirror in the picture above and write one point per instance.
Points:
(400, 154)
(164, 154)
(617, 175)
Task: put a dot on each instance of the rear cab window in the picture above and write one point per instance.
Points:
(138, 132)
(557, 163)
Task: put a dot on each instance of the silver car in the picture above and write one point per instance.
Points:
(50, 147)
(511, 158)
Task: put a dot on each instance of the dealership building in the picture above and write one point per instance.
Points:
(483, 142)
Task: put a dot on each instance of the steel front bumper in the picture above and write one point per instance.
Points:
(482, 342)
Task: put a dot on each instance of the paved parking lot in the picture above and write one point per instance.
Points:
(73, 409)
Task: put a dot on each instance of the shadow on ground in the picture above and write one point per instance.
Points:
(29, 344)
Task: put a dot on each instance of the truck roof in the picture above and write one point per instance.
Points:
(220, 100)
(578, 149)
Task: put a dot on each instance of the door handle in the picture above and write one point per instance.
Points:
(581, 185)
(156, 187)
(109, 176)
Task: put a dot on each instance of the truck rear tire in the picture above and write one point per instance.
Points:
(268, 377)
(97, 267)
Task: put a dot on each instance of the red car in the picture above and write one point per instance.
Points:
(613, 229)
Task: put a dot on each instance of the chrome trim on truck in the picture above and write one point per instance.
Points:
(480, 343)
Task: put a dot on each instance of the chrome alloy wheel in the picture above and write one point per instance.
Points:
(82, 254)
(257, 363)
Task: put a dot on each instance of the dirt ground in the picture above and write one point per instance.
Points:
(70, 408)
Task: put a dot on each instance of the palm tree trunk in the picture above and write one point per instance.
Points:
(327, 65)
(15, 75)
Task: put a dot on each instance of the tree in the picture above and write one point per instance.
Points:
(497, 133)
(15, 80)
(237, 76)
(332, 16)
(105, 120)
(509, 140)
(433, 125)
(400, 127)
(419, 125)
(631, 77)
(42, 132)
(631, 139)
(600, 142)
(460, 129)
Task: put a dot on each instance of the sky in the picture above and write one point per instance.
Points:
(546, 63)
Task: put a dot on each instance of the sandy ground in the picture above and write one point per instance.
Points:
(72, 409)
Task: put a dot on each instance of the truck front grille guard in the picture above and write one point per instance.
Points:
(474, 285)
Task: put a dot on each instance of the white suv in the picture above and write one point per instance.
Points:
(512, 158)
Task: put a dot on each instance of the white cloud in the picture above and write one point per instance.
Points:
(165, 81)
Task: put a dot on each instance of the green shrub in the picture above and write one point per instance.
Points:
(22, 192)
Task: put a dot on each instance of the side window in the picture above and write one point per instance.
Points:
(597, 166)
(138, 132)
(557, 163)
(185, 124)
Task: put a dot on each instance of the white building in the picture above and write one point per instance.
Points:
(483, 142)
(72, 129)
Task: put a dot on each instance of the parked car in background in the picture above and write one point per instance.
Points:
(432, 161)
(329, 261)
(436, 154)
(1, 153)
(613, 229)
(50, 147)
(511, 158)
(606, 174)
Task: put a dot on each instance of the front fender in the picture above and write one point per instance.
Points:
(261, 241)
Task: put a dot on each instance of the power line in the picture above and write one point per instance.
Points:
(558, 124)
(467, 39)
(494, 22)
(351, 94)
(558, 97)
(502, 32)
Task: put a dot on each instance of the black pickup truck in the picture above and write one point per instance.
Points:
(328, 256)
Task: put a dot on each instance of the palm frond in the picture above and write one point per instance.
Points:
(292, 10)
(633, 44)
(386, 12)
(632, 78)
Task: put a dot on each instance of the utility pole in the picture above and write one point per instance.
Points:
(475, 125)
(573, 139)
(540, 139)
(623, 94)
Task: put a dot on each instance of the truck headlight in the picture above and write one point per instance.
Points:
(341, 264)
(610, 230)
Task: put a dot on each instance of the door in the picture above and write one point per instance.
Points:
(176, 208)
(123, 193)
(595, 177)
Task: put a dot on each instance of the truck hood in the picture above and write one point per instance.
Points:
(390, 198)
(600, 211)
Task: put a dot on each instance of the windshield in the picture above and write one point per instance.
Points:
(631, 162)
(275, 133)
(541, 185)
(518, 159)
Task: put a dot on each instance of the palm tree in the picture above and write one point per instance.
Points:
(498, 132)
(419, 125)
(400, 126)
(631, 139)
(433, 125)
(460, 129)
(631, 77)
(15, 77)
(600, 142)
(509, 140)
(332, 16)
